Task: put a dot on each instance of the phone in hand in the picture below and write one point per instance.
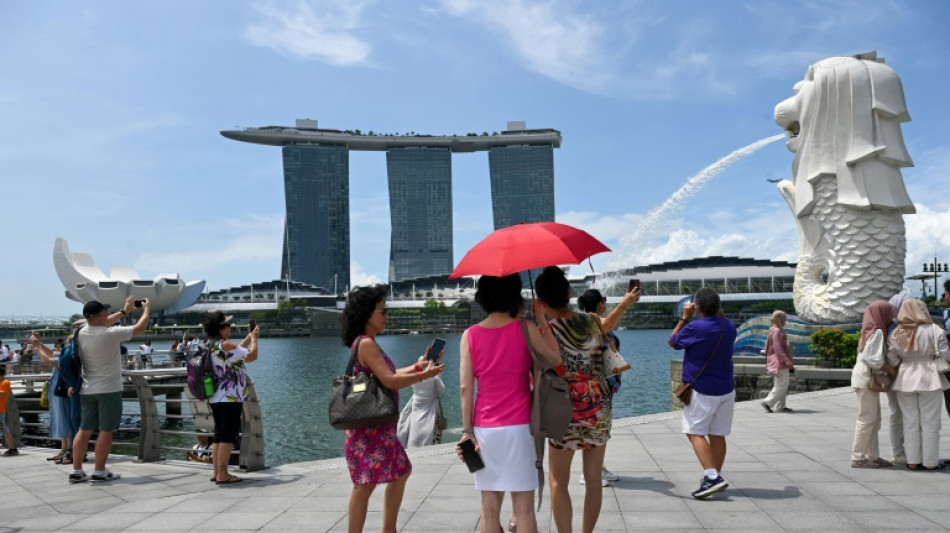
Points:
(435, 349)
(138, 303)
(473, 459)
(252, 325)
(634, 284)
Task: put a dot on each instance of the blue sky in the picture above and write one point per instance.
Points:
(111, 114)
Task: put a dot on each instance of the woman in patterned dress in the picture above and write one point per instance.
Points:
(227, 402)
(579, 337)
(374, 455)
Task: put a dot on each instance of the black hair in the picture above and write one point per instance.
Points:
(553, 288)
(707, 300)
(946, 285)
(3, 371)
(500, 294)
(214, 323)
(360, 304)
(589, 301)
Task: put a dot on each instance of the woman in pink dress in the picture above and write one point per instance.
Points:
(374, 455)
(494, 353)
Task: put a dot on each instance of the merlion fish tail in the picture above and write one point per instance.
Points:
(847, 256)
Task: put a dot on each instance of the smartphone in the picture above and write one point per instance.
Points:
(634, 284)
(138, 303)
(251, 325)
(473, 459)
(435, 349)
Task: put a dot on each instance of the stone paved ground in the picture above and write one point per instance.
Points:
(788, 472)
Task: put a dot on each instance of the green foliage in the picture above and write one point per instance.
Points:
(771, 305)
(835, 348)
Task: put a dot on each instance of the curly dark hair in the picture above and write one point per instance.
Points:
(553, 288)
(500, 294)
(589, 301)
(214, 323)
(360, 305)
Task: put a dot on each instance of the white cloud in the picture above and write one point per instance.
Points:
(321, 31)
(927, 237)
(358, 278)
(234, 251)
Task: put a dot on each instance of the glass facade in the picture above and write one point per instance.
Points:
(317, 232)
(420, 207)
(522, 184)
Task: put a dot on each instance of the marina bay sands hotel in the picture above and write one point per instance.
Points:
(419, 168)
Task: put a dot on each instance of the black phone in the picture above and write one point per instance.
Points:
(251, 325)
(435, 349)
(634, 284)
(473, 459)
(138, 303)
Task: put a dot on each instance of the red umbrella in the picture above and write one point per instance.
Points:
(525, 246)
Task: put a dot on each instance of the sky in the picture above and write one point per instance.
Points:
(112, 112)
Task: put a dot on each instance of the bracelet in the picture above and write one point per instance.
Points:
(123, 312)
(468, 432)
(417, 367)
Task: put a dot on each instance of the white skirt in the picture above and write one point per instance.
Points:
(508, 453)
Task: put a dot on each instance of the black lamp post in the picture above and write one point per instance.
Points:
(937, 269)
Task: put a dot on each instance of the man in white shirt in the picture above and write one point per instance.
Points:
(101, 393)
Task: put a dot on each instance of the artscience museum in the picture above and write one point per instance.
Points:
(85, 281)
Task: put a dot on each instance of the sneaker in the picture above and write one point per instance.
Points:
(11, 452)
(707, 487)
(900, 459)
(106, 476)
(78, 477)
(608, 475)
(766, 406)
(603, 482)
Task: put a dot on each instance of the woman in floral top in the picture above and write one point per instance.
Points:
(231, 391)
(580, 340)
(374, 455)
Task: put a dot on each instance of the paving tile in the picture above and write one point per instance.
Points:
(288, 521)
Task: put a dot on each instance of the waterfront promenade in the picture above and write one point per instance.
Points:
(788, 472)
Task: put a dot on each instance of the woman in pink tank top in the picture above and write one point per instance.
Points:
(495, 355)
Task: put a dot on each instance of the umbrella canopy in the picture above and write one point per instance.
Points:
(525, 246)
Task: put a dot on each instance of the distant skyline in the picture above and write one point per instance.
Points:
(112, 112)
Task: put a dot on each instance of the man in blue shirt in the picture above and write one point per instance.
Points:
(707, 364)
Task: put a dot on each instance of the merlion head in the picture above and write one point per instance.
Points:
(845, 121)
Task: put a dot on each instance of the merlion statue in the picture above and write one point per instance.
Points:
(847, 193)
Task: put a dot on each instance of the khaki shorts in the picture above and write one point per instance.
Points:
(101, 412)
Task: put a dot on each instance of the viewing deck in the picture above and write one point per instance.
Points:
(787, 472)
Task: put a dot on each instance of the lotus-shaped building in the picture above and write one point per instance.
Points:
(84, 281)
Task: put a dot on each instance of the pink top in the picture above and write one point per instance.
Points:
(502, 365)
(775, 358)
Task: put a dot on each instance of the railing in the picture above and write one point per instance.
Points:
(149, 388)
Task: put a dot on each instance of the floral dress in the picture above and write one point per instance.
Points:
(230, 370)
(578, 337)
(374, 455)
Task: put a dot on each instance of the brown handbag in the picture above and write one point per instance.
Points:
(684, 392)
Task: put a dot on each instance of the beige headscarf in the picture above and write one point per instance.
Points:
(778, 319)
(913, 313)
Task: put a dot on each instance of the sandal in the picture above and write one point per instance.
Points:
(231, 479)
(66, 459)
(56, 458)
(914, 467)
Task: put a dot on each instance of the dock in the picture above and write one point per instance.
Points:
(787, 472)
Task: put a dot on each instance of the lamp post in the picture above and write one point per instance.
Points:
(937, 269)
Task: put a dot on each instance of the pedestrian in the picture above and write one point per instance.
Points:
(101, 394)
(5, 396)
(417, 421)
(778, 363)
(145, 353)
(592, 301)
(227, 402)
(895, 421)
(494, 355)
(913, 348)
(707, 364)
(580, 340)
(875, 328)
(64, 411)
(374, 455)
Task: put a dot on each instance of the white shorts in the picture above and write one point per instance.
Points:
(709, 415)
(509, 456)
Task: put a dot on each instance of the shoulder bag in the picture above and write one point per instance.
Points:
(685, 390)
(360, 401)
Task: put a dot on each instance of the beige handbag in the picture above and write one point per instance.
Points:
(614, 363)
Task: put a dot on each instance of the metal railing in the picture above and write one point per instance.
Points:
(149, 388)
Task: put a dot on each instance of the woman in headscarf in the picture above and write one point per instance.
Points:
(871, 350)
(778, 363)
(915, 345)
(895, 422)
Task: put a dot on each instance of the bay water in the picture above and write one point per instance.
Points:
(293, 378)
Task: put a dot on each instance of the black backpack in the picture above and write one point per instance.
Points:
(69, 368)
